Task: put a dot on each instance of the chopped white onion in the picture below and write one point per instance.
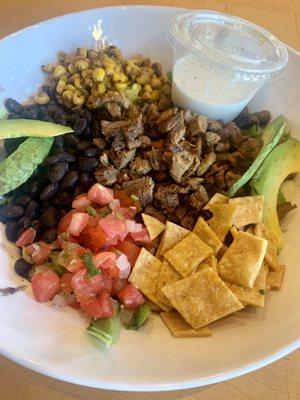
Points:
(59, 301)
(114, 204)
(133, 227)
(124, 266)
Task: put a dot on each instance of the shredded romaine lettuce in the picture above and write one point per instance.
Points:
(139, 317)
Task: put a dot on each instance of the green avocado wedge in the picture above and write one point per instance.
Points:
(271, 136)
(15, 128)
(281, 162)
(19, 166)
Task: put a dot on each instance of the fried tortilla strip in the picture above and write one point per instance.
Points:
(202, 298)
(211, 262)
(243, 260)
(271, 256)
(206, 234)
(217, 198)
(173, 234)
(248, 210)
(153, 225)
(144, 276)
(222, 219)
(187, 254)
(275, 278)
(180, 328)
(255, 296)
(167, 275)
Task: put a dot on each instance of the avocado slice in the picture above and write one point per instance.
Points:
(271, 136)
(19, 166)
(281, 162)
(14, 128)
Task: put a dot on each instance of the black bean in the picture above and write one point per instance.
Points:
(85, 180)
(11, 231)
(58, 171)
(23, 200)
(33, 189)
(80, 125)
(88, 164)
(88, 115)
(71, 139)
(32, 209)
(65, 156)
(91, 152)
(49, 217)
(59, 141)
(83, 145)
(47, 118)
(22, 267)
(49, 235)
(24, 222)
(12, 211)
(52, 159)
(13, 106)
(70, 180)
(49, 191)
(59, 118)
(63, 199)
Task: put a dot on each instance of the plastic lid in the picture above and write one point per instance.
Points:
(249, 51)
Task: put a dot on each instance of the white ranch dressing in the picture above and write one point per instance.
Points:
(214, 95)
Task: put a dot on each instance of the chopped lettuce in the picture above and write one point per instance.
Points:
(139, 317)
(133, 92)
(90, 266)
(271, 136)
(105, 329)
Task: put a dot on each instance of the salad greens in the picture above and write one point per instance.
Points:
(106, 329)
(92, 270)
(139, 317)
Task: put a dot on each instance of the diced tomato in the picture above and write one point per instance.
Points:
(100, 194)
(81, 201)
(81, 285)
(107, 262)
(118, 284)
(65, 283)
(92, 223)
(27, 237)
(99, 307)
(125, 200)
(39, 252)
(142, 236)
(75, 265)
(66, 219)
(94, 239)
(114, 229)
(131, 250)
(77, 223)
(128, 212)
(100, 282)
(131, 297)
(45, 285)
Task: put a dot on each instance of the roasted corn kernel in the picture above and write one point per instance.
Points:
(61, 55)
(59, 71)
(81, 65)
(70, 87)
(47, 68)
(68, 95)
(71, 69)
(98, 74)
(121, 86)
(42, 98)
(82, 52)
(155, 95)
(60, 87)
(155, 83)
(98, 89)
(147, 88)
(78, 97)
(142, 79)
(77, 83)
(146, 96)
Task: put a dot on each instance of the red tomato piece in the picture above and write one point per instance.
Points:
(99, 307)
(118, 284)
(128, 212)
(131, 250)
(39, 252)
(81, 285)
(44, 286)
(142, 236)
(100, 282)
(65, 283)
(107, 262)
(94, 239)
(81, 201)
(27, 237)
(66, 219)
(77, 223)
(100, 194)
(75, 265)
(114, 228)
(131, 297)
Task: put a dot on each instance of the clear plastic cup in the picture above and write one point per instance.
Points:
(220, 62)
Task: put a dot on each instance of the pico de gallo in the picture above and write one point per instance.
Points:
(87, 266)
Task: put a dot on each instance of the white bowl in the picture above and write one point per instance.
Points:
(54, 342)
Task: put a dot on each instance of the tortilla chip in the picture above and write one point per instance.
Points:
(222, 251)
(271, 256)
(144, 276)
(249, 210)
(217, 198)
(167, 275)
(234, 232)
(153, 225)
(222, 219)
(187, 254)
(206, 234)
(250, 229)
(275, 278)
(211, 262)
(173, 234)
(154, 307)
(180, 328)
(243, 260)
(202, 298)
(255, 296)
